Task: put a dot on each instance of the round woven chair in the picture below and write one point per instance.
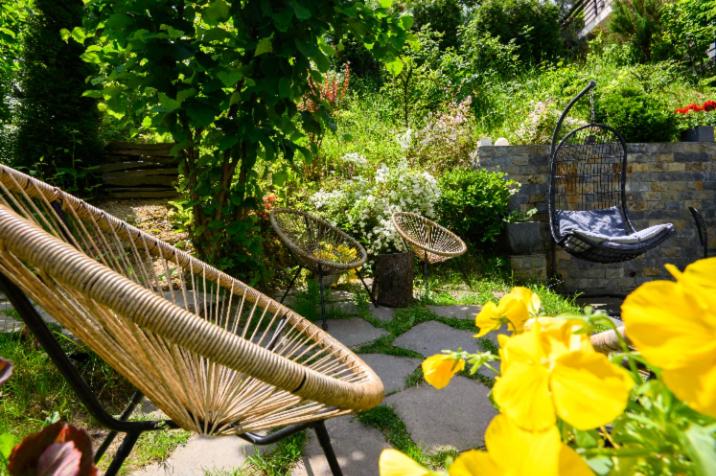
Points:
(319, 247)
(215, 355)
(430, 242)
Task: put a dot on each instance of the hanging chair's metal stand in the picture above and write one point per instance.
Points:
(321, 286)
(131, 429)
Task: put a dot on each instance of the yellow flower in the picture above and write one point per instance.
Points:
(394, 463)
(510, 451)
(439, 369)
(514, 308)
(552, 370)
(513, 451)
(673, 325)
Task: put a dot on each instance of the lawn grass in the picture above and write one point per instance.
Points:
(38, 394)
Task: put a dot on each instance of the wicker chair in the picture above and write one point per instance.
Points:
(216, 356)
(430, 242)
(587, 195)
(319, 247)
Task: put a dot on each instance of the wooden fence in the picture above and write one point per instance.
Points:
(139, 171)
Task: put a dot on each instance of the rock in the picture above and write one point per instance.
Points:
(382, 313)
(466, 312)
(202, 454)
(502, 142)
(392, 370)
(357, 449)
(433, 337)
(456, 416)
(354, 331)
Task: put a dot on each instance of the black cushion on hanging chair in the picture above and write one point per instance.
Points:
(587, 195)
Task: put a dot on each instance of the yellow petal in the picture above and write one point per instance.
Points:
(519, 452)
(522, 393)
(394, 463)
(515, 307)
(474, 463)
(588, 390)
(695, 385)
(701, 273)
(439, 369)
(488, 319)
(668, 326)
(571, 464)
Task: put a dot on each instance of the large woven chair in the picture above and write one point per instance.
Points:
(319, 247)
(587, 194)
(216, 356)
(430, 242)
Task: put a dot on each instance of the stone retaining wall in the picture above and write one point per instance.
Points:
(662, 181)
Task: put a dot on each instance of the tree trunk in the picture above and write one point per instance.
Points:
(393, 279)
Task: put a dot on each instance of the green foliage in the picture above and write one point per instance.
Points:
(421, 85)
(224, 79)
(447, 140)
(474, 203)
(639, 23)
(640, 116)
(532, 25)
(12, 26)
(443, 16)
(282, 459)
(57, 138)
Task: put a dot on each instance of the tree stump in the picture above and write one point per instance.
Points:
(393, 279)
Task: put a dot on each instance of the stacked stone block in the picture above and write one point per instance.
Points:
(663, 180)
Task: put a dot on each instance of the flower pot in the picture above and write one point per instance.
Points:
(525, 237)
(393, 279)
(698, 134)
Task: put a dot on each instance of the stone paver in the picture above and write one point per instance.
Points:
(456, 312)
(456, 416)
(353, 332)
(392, 370)
(202, 454)
(357, 449)
(382, 313)
(433, 337)
(342, 308)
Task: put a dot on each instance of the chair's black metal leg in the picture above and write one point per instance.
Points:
(367, 289)
(136, 398)
(323, 301)
(290, 285)
(122, 452)
(325, 441)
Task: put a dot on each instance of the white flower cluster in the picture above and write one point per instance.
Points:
(355, 158)
(363, 207)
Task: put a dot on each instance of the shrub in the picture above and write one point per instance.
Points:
(474, 203)
(533, 25)
(58, 127)
(363, 206)
(443, 16)
(447, 139)
(639, 116)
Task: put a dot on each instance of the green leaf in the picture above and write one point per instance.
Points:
(702, 446)
(406, 21)
(201, 115)
(394, 67)
(7, 443)
(216, 12)
(79, 35)
(282, 19)
(230, 77)
(263, 46)
(228, 141)
(302, 13)
(64, 34)
(185, 94)
(279, 178)
(386, 3)
(168, 104)
(284, 87)
(147, 122)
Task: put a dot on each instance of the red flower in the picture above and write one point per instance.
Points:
(709, 105)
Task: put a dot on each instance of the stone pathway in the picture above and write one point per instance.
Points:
(455, 417)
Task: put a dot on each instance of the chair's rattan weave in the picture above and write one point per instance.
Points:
(317, 243)
(429, 241)
(215, 355)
